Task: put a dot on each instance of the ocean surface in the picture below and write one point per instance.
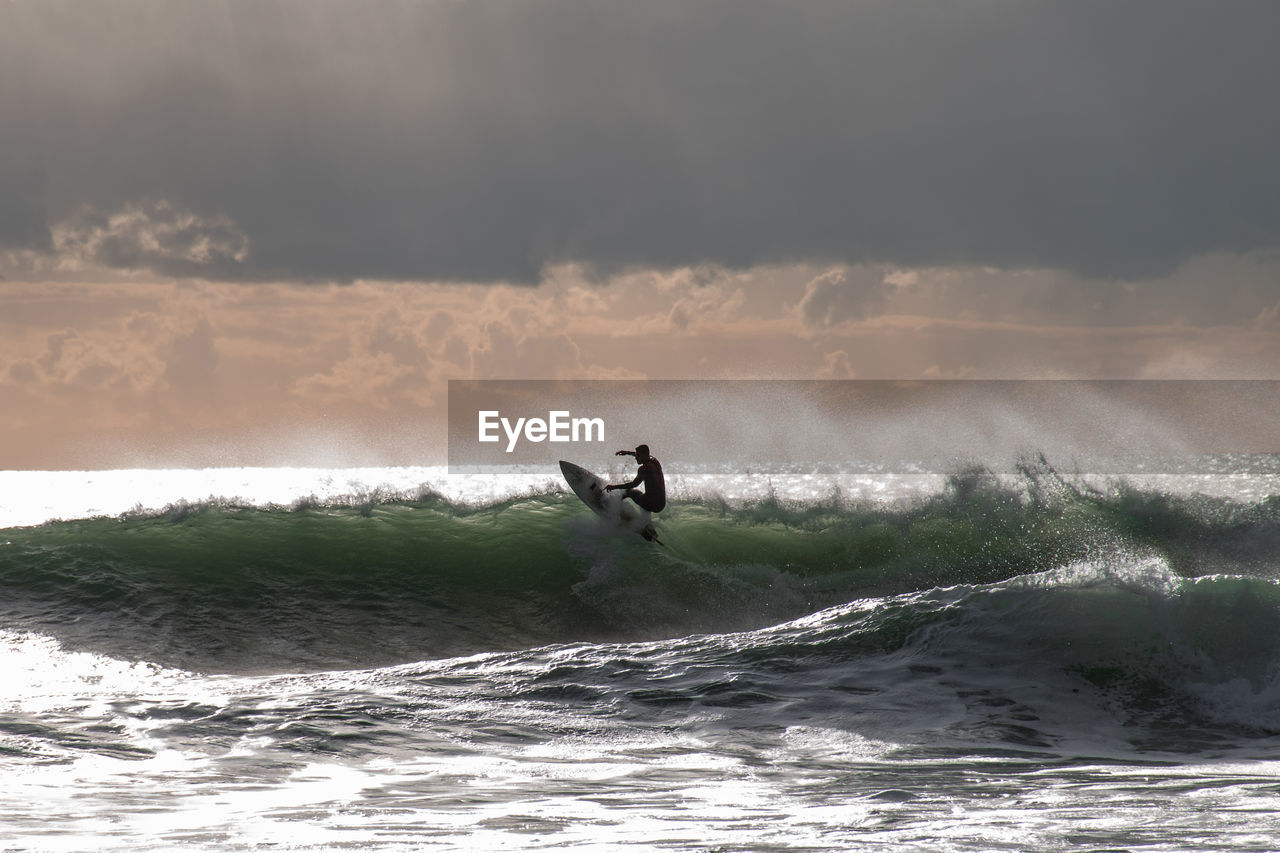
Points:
(1015, 657)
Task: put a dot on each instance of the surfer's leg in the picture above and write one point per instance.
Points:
(644, 501)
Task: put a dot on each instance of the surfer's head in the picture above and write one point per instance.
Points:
(642, 452)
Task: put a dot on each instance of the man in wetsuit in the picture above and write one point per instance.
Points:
(654, 496)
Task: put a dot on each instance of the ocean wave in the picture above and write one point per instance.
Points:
(1081, 660)
(383, 578)
(1092, 659)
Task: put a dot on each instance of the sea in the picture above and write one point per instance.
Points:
(1032, 655)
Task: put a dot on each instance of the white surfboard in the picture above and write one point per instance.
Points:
(608, 505)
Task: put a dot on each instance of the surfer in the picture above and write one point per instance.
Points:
(654, 496)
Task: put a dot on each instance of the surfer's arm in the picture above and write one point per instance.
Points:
(637, 481)
(625, 453)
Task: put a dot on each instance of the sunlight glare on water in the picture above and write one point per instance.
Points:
(33, 497)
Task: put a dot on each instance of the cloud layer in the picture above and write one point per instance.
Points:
(108, 374)
(437, 140)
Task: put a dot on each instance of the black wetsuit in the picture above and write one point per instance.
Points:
(654, 496)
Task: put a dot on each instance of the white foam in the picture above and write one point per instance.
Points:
(33, 497)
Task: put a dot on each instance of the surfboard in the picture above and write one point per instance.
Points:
(608, 505)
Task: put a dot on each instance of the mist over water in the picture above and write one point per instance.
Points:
(895, 425)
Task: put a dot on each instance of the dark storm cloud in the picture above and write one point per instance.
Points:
(480, 140)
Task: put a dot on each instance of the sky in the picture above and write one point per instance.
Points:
(270, 232)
